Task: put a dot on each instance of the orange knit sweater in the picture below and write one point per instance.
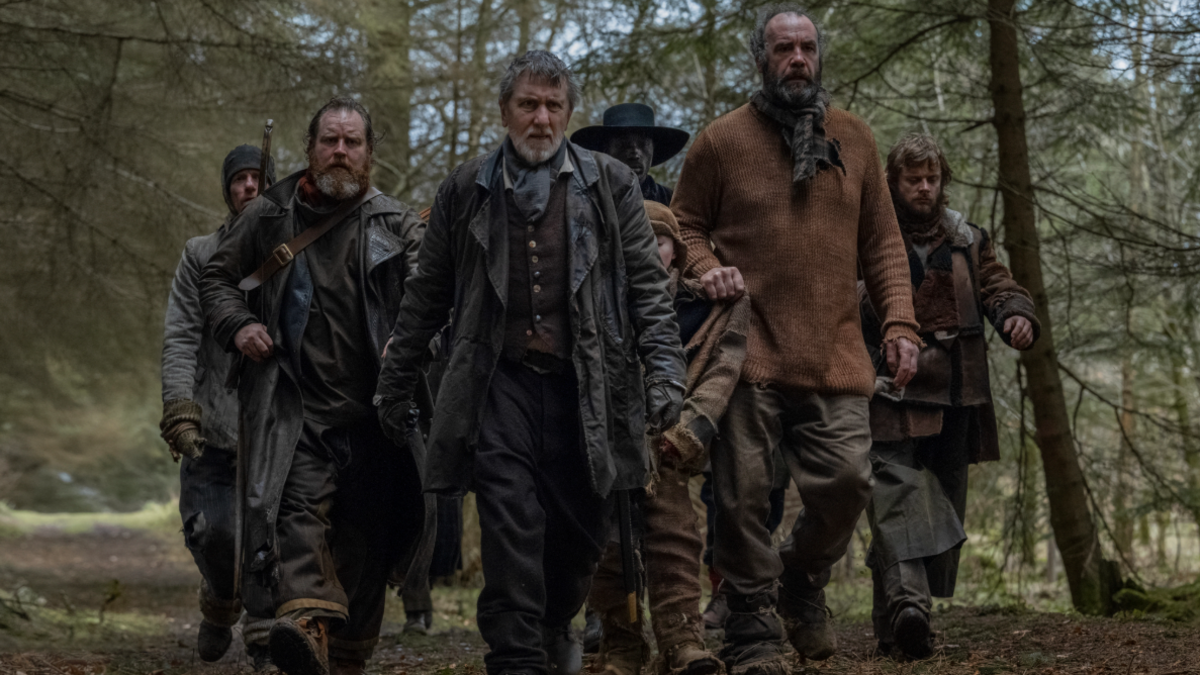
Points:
(798, 248)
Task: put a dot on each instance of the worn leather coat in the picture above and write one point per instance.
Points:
(620, 312)
(958, 287)
(268, 392)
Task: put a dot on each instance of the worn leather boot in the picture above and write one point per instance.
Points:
(753, 636)
(913, 637)
(805, 616)
(691, 658)
(716, 612)
(301, 646)
(213, 641)
(564, 653)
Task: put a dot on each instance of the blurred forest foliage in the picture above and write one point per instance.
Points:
(118, 113)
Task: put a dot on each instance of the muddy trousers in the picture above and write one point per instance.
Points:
(671, 544)
(825, 441)
(916, 517)
(543, 527)
(351, 502)
(207, 495)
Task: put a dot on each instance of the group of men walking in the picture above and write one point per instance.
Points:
(602, 341)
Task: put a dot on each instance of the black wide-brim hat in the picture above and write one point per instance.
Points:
(625, 117)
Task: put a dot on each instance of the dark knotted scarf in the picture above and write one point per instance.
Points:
(804, 132)
(531, 183)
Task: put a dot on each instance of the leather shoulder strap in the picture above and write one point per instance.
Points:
(284, 253)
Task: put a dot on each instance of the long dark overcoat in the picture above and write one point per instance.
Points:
(621, 315)
(271, 409)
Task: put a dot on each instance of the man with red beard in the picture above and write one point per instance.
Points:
(926, 434)
(331, 504)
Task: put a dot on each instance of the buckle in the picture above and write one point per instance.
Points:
(282, 254)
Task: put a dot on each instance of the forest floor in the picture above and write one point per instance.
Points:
(114, 599)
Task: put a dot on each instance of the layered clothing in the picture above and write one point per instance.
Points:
(388, 235)
(619, 310)
(926, 435)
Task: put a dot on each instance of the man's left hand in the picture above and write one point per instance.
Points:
(664, 403)
(902, 360)
(1019, 331)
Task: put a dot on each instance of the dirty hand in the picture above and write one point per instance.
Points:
(902, 360)
(1019, 331)
(723, 283)
(664, 402)
(396, 417)
(253, 341)
(180, 427)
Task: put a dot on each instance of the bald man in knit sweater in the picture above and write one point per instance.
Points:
(784, 198)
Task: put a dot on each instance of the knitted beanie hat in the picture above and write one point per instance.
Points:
(664, 224)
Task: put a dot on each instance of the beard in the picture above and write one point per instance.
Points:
(922, 222)
(340, 181)
(536, 150)
(788, 93)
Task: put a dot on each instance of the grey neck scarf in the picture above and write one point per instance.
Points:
(531, 183)
(804, 133)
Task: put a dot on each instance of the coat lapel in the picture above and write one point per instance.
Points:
(488, 226)
(582, 240)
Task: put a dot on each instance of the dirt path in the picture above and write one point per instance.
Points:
(53, 587)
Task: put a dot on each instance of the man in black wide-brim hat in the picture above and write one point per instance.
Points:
(630, 135)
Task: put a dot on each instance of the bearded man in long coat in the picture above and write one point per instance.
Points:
(332, 505)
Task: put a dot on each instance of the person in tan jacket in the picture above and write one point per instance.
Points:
(785, 199)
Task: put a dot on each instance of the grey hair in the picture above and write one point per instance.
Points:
(758, 38)
(539, 65)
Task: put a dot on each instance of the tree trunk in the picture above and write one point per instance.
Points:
(1092, 579)
(1122, 522)
(390, 84)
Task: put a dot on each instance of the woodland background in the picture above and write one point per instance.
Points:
(1072, 127)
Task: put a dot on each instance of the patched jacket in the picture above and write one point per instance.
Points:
(194, 364)
(621, 316)
(957, 285)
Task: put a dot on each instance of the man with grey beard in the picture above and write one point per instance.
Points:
(332, 506)
(784, 199)
(565, 351)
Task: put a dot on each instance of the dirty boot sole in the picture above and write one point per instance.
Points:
(294, 652)
(912, 634)
(814, 641)
(213, 641)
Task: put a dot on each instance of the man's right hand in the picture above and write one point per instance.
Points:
(253, 341)
(723, 283)
(396, 417)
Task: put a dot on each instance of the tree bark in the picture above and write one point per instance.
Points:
(1092, 579)
(390, 83)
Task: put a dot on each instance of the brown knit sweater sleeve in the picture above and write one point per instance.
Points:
(882, 255)
(695, 204)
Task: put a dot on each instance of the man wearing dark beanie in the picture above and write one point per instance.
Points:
(199, 425)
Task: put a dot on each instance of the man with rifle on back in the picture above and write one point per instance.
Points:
(332, 506)
(199, 424)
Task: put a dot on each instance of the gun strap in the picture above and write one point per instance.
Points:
(284, 253)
